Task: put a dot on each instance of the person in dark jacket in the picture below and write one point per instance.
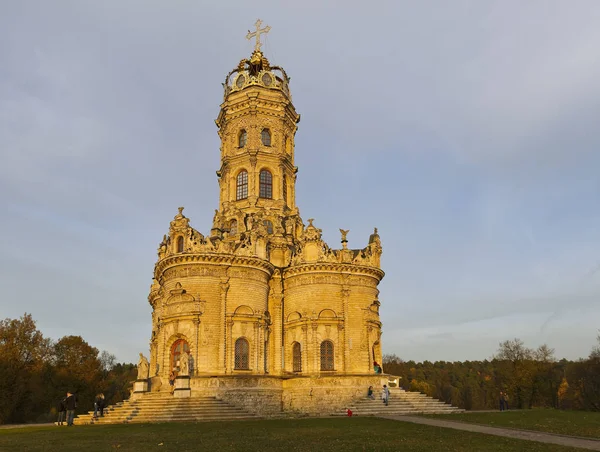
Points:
(71, 404)
(62, 411)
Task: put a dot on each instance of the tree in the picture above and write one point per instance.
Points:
(78, 369)
(23, 354)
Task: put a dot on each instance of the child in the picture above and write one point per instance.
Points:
(370, 394)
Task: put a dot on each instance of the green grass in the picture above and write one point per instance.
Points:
(574, 423)
(326, 434)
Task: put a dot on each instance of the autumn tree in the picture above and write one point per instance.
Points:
(24, 352)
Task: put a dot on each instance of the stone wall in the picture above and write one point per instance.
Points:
(266, 396)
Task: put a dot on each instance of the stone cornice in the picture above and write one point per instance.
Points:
(332, 267)
(213, 259)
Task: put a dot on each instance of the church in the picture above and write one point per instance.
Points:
(266, 314)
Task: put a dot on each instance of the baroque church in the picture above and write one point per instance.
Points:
(268, 315)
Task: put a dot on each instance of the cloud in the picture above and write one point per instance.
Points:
(465, 132)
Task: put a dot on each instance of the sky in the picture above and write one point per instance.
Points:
(466, 131)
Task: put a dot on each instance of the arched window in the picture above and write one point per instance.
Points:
(180, 244)
(242, 185)
(284, 187)
(233, 227)
(242, 138)
(297, 357)
(269, 226)
(265, 136)
(242, 354)
(327, 355)
(266, 185)
(180, 346)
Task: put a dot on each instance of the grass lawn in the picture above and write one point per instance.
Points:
(574, 423)
(327, 434)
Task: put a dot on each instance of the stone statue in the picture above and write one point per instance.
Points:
(143, 368)
(184, 364)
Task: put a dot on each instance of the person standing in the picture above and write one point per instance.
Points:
(70, 404)
(101, 404)
(62, 411)
(502, 401)
(385, 395)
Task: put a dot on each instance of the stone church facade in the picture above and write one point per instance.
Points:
(270, 316)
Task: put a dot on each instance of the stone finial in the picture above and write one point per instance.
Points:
(344, 239)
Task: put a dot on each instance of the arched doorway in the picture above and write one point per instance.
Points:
(178, 347)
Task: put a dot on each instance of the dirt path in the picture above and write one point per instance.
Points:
(528, 435)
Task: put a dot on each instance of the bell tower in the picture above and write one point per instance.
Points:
(257, 124)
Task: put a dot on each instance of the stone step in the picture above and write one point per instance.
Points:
(157, 407)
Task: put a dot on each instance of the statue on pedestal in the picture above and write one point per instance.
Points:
(184, 364)
(143, 368)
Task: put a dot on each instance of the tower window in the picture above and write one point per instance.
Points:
(233, 227)
(242, 354)
(297, 357)
(242, 186)
(269, 226)
(327, 355)
(265, 136)
(266, 185)
(242, 138)
(180, 244)
(284, 187)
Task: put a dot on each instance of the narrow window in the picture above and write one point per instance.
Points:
(266, 185)
(242, 354)
(269, 226)
(284, 186)
(180, 244)
(326, 355)
(242, 186)
(233, 227)
(242, 138)
(297, 357)
(265, 136)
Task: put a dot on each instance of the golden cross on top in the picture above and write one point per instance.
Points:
(257, 33)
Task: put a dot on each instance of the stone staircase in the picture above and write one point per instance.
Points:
(163, 407)
(401, 403)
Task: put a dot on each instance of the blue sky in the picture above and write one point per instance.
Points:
(466, 131)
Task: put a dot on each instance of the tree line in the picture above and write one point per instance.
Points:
(530, 377)
(36, 372)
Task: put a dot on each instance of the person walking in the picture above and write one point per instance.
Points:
(385, 395)
(70, 404)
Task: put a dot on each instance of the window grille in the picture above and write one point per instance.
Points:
(297, 357)
(265, 136)
(327, 355)
(180, 244)
(242, 354)
(266, 184)
(269, 226)
(242, 186)
(242, 138)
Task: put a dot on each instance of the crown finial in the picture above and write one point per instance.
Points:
(257, 33)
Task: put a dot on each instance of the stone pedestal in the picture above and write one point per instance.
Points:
(140, 386)
(182, 386)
